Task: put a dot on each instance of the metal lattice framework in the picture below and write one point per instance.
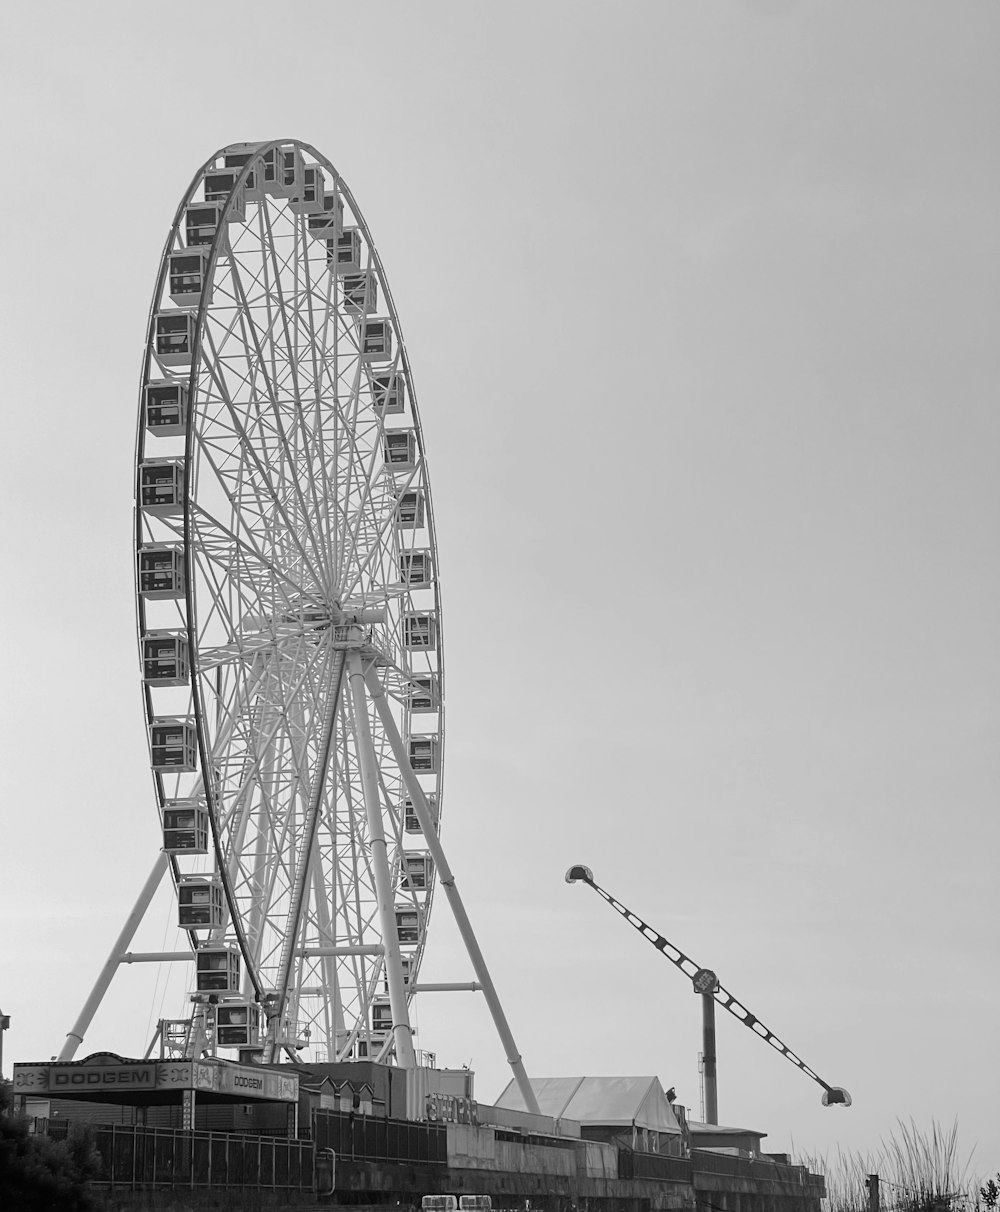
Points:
(289, 627)
(300, 445)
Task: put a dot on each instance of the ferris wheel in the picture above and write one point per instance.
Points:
(289, 623)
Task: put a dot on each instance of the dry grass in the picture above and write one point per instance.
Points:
(918, 1172)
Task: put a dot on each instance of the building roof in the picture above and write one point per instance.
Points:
(721, 1130)
(610, 1102)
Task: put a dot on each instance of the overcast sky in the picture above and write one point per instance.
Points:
(701, 303)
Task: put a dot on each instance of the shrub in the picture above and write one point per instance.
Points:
(42, 1175)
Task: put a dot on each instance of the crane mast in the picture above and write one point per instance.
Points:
(706, 984)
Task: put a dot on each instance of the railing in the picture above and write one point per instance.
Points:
(799, 1177)
(653, 1166)
(720, 1163)
(140, 1157)
(375, 1138)
(634, 1164)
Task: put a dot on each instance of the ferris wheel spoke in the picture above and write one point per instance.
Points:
(270, 499)
(223, 613)
(316, 341)
(251, 770)
(267, 503)
(361, 529)
(358, 473)
(284, 308)
(385, 528)
(230, 551)
(283, 488)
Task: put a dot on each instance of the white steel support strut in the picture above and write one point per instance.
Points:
(74, 1037)
(376, 690)
(303, 871)
(402, 1034)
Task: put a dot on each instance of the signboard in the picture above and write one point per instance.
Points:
(452, 1109)
(63, 1078)
(69, 1079)
(107, 1074)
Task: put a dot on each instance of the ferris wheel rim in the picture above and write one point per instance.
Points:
(189, 539)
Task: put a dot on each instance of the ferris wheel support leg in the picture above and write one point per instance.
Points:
(427, 826)
(331, 979)
(300, 887)
(74, 1037)
(402, 1033)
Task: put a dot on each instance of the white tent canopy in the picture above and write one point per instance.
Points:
(610, 1102)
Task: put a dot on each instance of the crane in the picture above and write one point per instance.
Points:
(706, 983)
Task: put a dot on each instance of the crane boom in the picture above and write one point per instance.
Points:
(705, 982)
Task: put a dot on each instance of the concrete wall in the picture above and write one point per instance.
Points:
(476, 1148)
(542, 1125)
(596, 1160)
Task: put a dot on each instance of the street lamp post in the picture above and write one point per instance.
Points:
(4, 1024)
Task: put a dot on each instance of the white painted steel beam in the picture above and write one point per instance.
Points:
(433, 842)
(155, 957)
(360, 949)
(402, 1033)
(74, 1037)
(446, 987)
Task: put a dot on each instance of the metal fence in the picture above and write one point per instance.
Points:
(760, 1171)
(374, 1138)
(633, 1164)
(135, 1156)
(653, 1166)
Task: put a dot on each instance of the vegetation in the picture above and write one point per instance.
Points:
(918, 1172)
(41, 1175)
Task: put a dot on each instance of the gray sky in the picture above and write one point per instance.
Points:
(701, 302)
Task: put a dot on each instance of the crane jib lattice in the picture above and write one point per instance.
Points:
(833, 1095)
